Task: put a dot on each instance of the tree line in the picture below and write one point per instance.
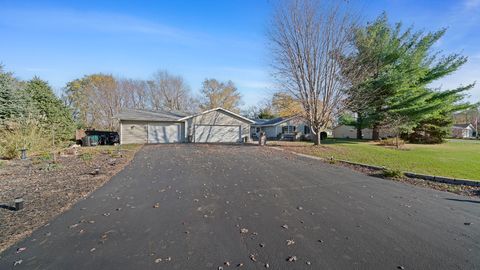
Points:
(32, 116)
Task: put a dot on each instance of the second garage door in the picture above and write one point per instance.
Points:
(163, 133)
(217, 134)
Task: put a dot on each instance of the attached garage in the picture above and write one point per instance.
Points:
(217, 126)
(139, 127)
(217, 133)
(164, 132)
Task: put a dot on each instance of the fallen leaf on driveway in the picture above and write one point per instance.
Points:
(73, 226)
(290, 242)
(285, 226)
(157, 205)
(292, 259)
(252, 257)
(21, 249)
(243, 230)
(17, 262)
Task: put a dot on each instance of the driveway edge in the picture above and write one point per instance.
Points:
(433, 178)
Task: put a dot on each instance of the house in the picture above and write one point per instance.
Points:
(350, 132)
(463, 131)
(212, 126)
(293, 127)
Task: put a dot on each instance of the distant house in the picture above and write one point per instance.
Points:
(463, 131)
(293, 127)
(350, 132)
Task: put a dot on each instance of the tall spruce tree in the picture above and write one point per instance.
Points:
(390, 74)
(56, 115)
(13, 102)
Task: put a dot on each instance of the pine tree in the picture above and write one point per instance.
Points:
(390, 74)
(13, 103)
(56, 115)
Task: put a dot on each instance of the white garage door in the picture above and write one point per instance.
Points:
(215, 134)
(163, 133)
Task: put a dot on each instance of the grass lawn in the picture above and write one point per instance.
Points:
(459, 159)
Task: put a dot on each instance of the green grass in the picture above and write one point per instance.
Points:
(451, 159)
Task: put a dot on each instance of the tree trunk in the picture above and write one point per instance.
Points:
(359, 127)
(317, 139)
(375, 133)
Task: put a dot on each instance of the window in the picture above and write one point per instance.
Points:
(289, 129)
(258, 129)
(306, 130)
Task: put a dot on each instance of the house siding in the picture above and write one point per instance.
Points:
(350, 132)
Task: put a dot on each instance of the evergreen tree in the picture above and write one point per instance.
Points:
(390, 74)
(56, 115)
(13, 102)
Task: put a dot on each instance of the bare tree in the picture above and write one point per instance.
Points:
(307, 39)
(169, 92)
(135, 93)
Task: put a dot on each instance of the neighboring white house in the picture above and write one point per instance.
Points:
(350, 132)
(464, 131)
(212, 126)
(292, 128)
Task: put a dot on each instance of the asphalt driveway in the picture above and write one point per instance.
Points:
(223, 207)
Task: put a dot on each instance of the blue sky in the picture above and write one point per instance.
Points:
(63, 40)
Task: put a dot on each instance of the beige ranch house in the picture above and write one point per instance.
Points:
(212, 126)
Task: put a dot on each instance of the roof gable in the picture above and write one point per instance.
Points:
(224, 111)
(463, 126)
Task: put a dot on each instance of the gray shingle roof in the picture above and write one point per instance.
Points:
(147, 115)
(271, 122)
(461, 125)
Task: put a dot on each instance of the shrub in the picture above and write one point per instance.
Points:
(397, 142)
(24, 132)
(86, 156)
(392, 173)
(46, 156)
